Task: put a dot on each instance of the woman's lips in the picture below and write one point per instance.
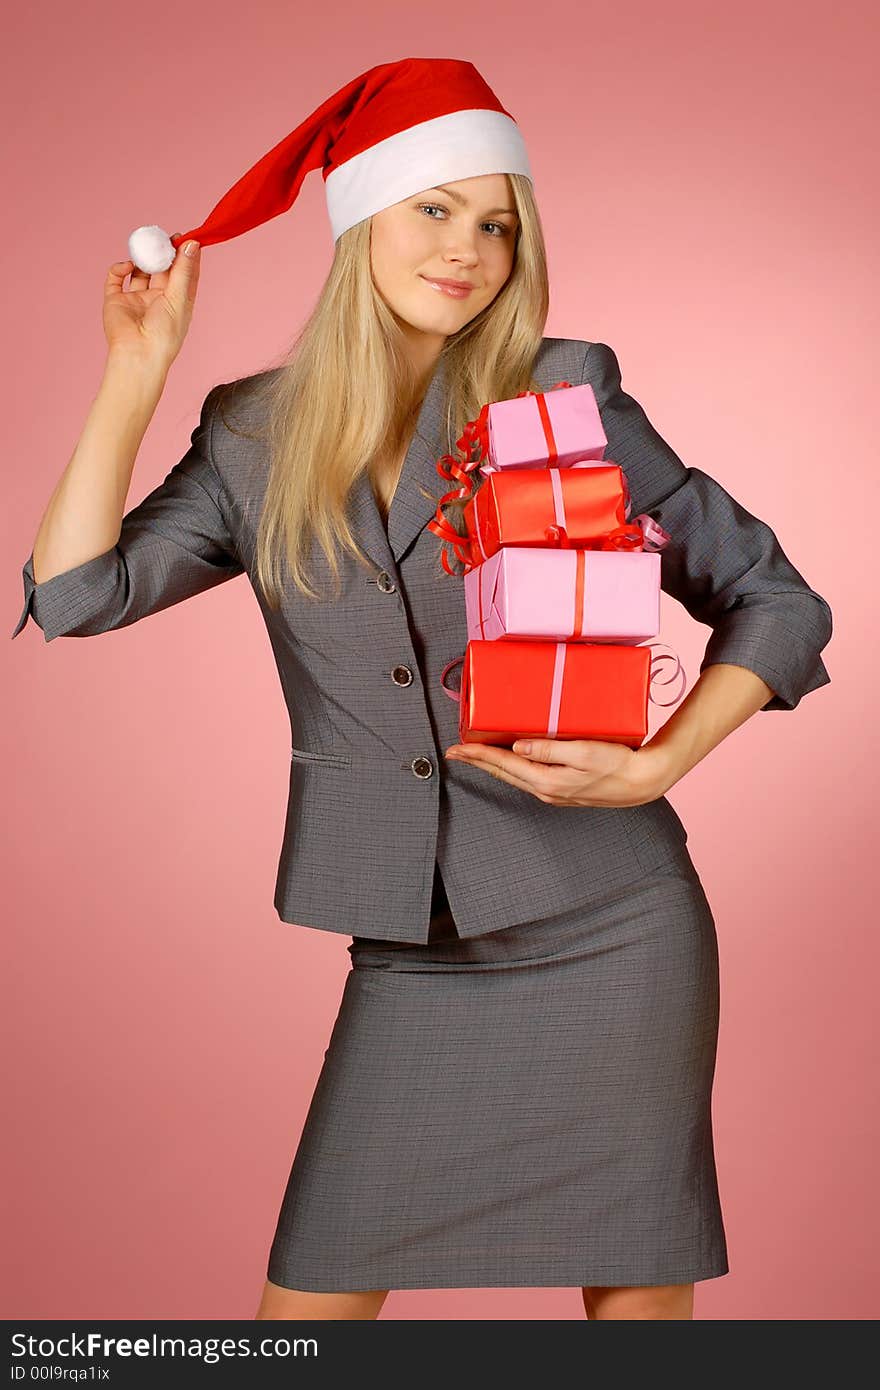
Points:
(454, 291)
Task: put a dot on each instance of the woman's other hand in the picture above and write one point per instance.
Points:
(574, 772)
(151, 317)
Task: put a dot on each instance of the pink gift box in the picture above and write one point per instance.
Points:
(522, 434)
(527, 591)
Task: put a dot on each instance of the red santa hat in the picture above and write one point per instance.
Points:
(395, 130)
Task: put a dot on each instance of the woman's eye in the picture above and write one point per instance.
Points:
(502, 229)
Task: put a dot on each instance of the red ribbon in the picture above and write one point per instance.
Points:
(627, 537)
(552, 454)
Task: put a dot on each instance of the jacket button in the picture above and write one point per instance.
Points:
(385, 582)
(402, 675)
(422, 767)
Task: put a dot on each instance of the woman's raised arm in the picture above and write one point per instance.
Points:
(145, 326)
(92, 567)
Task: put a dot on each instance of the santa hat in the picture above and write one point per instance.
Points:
(397, 129)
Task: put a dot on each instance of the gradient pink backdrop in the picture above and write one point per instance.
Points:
(702, 178)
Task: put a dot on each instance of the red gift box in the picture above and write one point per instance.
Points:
(521, 689)
(560, 690)
(575, 507)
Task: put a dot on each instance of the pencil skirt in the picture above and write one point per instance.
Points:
(529, 1107)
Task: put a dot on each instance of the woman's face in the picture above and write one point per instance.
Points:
(463, 231)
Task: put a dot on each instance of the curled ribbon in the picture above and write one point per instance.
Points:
(643, 533)
(453, 694)
(678, 671)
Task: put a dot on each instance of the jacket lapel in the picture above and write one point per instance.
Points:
(410, 510)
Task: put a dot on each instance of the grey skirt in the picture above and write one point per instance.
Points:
(524, 1108)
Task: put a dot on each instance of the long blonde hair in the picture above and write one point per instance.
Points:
(346, 395)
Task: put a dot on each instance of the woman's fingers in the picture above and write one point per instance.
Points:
(140, 279)
(115, 276)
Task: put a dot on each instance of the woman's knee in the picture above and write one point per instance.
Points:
(293, 1304)
(671, 1301)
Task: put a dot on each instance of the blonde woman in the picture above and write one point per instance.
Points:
(517, 1088)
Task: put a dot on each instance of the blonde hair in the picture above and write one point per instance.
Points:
(346, 395)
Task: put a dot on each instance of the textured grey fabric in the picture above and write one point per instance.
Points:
(363, 829)
(527, 1107)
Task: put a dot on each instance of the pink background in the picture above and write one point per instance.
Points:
(702, 178)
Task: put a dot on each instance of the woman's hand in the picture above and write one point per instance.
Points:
(575, 772)
(151, 318)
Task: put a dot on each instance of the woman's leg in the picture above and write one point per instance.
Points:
(294, 1304)
(660, 1301)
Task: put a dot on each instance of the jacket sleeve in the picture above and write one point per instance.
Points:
(173, 545)
(722, 563)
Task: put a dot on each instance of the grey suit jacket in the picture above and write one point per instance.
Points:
(372, 802)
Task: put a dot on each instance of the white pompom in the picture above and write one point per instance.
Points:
(151, 250)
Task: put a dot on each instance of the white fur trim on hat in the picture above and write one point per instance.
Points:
(460, 145)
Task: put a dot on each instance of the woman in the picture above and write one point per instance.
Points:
(517, 1089)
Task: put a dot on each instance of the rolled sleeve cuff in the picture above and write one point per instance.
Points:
(71, 600)
(786, 659)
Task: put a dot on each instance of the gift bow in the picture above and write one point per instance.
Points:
(475, 435)
(559, 671)
(642, 533)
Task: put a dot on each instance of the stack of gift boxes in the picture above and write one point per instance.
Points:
(560, 587)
